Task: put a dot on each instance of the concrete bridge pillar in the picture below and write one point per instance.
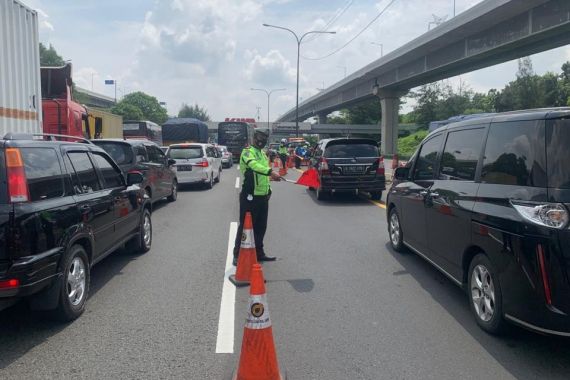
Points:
(390, 104)
(322, 118)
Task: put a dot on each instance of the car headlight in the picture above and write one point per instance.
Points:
(554, 215)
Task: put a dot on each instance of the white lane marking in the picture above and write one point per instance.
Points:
(237, 182)
(238, 167)
(225, 341)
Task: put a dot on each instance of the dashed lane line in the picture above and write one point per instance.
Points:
(379, 204)
(237, 182)
(225, 340)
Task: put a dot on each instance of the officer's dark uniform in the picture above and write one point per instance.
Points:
(254, 197)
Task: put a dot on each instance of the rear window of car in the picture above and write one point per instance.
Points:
(43, 172)
(185, 152)
(558, 153)
(121, 153)
(351, 150)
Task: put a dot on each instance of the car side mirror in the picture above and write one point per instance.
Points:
(401, 174)
(171, 161)
(134, 178)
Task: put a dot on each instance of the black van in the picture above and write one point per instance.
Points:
(486, 202)
(64, 206)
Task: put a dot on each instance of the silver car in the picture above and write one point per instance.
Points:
(227, 157)
(196, 163)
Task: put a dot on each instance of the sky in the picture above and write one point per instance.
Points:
(212, 52)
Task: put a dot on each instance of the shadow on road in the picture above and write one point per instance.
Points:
(341, 200)
(526, 355)
(22, 329)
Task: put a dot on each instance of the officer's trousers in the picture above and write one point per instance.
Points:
(259, 208)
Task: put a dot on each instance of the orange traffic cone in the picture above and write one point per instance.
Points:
(276, 161)
(282, 171)
(247, 255)
(258, 359)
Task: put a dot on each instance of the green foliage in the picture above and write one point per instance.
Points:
(408, 145)
(341, 118)
(49, 57)
(194, 111)
(140, 106)
(365, 113)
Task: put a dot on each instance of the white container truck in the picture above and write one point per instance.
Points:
(20, 95)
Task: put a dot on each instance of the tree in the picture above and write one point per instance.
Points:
(369, 112)
(49, 56)
(428, 97)
(147, 105)
(128, 111)
(194, 111)
(338, 118)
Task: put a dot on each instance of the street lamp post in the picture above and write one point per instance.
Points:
(299, 40)
(268, 92)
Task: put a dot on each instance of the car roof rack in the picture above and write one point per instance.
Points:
(49, 136)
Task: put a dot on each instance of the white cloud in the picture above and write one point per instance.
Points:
(270, 69)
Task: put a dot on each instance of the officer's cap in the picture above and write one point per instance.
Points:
(261, 133)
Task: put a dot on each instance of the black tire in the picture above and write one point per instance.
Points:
(321, 195)
(217, 180)
(376, 195)
(492, 300)
(142, 243)
(395, 232)
(75, 279)
(174, 192)
(210, 183)
(148, 193)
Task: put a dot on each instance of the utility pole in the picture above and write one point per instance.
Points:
(268, 93)
(299, 40)
(258, 117)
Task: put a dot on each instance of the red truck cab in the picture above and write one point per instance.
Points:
(61, 115)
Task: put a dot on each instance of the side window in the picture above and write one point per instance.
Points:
(112, 177)
(44, 174)
(461, 154)
(427, 159)
(155, 155)
(140, 154)
(86, 174)
(515, 154)
(209, 152)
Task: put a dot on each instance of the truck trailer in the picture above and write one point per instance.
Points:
(20, 96)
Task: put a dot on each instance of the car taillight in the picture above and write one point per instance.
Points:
(381, 170)
(17, 182)
(203, 164)
(9, 284)
(324, 166)
(544, 274)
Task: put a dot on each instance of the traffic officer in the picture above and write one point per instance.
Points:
(283, 152)
(255, 193)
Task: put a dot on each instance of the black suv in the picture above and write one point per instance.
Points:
(64, 206)
(349, 165)
(486, 201)
(148, 158)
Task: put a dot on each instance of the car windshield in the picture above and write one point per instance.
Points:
(120, 152)
(351, 150)
(187, 153)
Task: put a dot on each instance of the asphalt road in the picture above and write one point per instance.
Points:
(343, 304)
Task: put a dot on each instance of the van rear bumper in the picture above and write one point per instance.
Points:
(339, 183)
(33, 272)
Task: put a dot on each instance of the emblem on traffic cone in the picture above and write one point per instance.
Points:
(247, 255)
(258, 359)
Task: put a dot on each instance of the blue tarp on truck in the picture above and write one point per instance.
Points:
(179, 130)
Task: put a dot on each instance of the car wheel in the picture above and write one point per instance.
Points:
(376, 195)
(485, 295)
(321, 195)
(219, 176)
(143, 241)
(74, 285)
(174, 192)
(210, 183)
(395, 231)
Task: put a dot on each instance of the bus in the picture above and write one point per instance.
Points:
(236, 135)
(181, 130)
(142, 130)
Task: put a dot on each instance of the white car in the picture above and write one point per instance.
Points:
(196, 163)
(227, 157)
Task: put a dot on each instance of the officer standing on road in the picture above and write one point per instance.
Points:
(255, 193)
(283, 152)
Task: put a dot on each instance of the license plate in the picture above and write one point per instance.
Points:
(184, 168)
(353, 169)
